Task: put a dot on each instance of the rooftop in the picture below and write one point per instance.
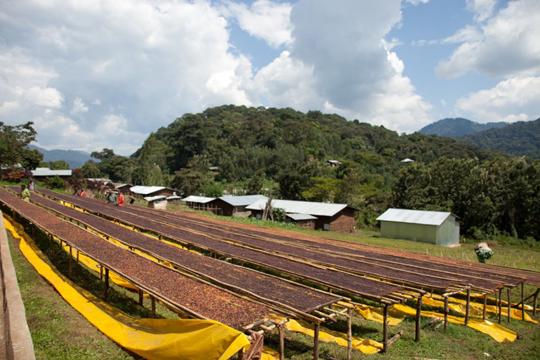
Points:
(40, 171)
(198, 199)
(414, 216)
(300, 217)
(301, 207)
(145, 190)
(242, 200)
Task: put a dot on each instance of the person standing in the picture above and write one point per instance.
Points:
(120, 200)
(25, 193)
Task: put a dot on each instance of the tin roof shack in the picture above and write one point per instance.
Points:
(157, 202)
(231, 205)
(144, 191)
(41, 172)
(336, 217)
(123, 188)
(302, 220)
(199, 202)
(434, 227)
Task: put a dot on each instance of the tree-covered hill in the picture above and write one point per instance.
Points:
(458, 127)
(521, 138)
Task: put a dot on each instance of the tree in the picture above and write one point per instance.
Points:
(195, 177)
(91, 170)
(255, 183)
(116, 167)
(13, 142)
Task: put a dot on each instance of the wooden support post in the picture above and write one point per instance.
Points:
(535, 301)
(70, 260)
(141, 297)
(385, 328)
(484, 310)
(445, 313)
(100, 272)
(316, 341)
(240, 355)
(417, 320)
(499, 301)
(509, 304)
(468, 306)
(523, 301)
(349, 334)
(106, 290)
(281, 332)
(78, 256)
(153, 306)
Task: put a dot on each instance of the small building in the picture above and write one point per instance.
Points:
(199, 202)
(407, 160)
(329, 216)
(144, 191)
(157, 202)
(43, 172)
(232, 205)
(435, 227)
(123, 188)
(333, 162)
(302, 220)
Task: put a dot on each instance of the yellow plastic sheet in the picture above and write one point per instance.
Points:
(459, 306)
(376, 314)
(366, 346)
(150, 338)
(496, 331)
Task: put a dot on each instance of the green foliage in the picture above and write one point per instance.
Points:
(91, 170)
(55, 165)
(115, 167)
(195, 177)
(255, 183)
(490, 197)
(457, 127)
(521, 138)
(13, 146)
(55, 182)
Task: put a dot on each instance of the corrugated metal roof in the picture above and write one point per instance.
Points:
(174, 197)
(299, 217)
(301, 207)
(40, 171)
(145, 190)
(415, 216)
(242, 200)
(198, 199)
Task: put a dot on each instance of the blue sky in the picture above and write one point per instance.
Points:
(106, 74)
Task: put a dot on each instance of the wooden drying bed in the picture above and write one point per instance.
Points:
(349, 284)
(187, 295)
(287, 296)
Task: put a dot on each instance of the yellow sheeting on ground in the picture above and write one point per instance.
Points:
(150, 338)
(459, 306)
(376, 314)
(496, 331)
(269, 354)
(366, 346)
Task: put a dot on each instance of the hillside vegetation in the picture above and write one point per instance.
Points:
(521, 138)
(458, 127)
(284, 153)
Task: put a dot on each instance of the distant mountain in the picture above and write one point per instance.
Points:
(458, 127)
(74, 158)
(521, 138)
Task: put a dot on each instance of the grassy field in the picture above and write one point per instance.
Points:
(59, 332)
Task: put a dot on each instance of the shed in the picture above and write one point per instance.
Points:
(303, 220)
(199, 202)
(436, 227)
(157, 202)
(123, 188)
(330, 216)
(46, 172)
(232, 205)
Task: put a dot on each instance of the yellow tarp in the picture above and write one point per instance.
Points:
(376, 314)
(496, 331)
(150, 338)
(365, 346)
(459, 306)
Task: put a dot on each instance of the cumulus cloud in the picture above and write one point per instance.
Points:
(515, 99)
(145, 61)
(94, 74)
(505, 45)
(264, 19)
(481, 8)
(342, 63)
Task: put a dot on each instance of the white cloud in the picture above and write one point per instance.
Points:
(505, 45)
(78, 106)
(510, 100)
(264, 19)
(481, 8)
(340, 62)
(417, 2)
